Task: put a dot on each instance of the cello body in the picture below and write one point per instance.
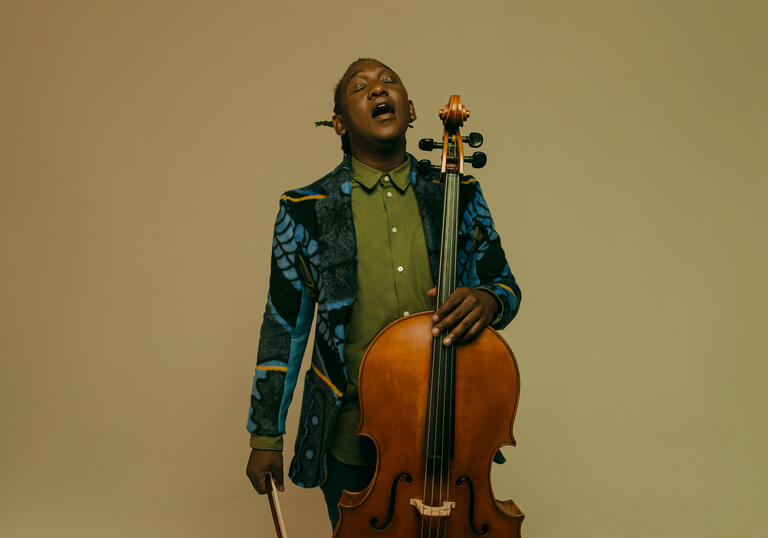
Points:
(393, 373)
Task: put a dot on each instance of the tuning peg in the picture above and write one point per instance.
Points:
(428, 144)
(425, 167)
(475, 140)
(477, 159)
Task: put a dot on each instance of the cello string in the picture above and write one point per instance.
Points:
(434, 373)
(441, 353)
(432, 460)
(450, 351)
(454, 349)
(443, 358)
(440, 448)
(429, 427)
(443, 400)
(448, 218)
(445, 350)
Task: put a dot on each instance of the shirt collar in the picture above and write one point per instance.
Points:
(368, 177)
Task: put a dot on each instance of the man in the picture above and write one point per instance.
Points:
(362, 244)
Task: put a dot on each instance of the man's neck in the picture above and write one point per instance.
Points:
(386, 162)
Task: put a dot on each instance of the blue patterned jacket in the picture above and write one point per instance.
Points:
(314, 263)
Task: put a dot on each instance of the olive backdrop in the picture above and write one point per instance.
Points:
(144, 145)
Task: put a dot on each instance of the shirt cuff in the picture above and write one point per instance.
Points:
(267, 442)
(500, 311)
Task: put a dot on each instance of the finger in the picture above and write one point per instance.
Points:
(432, 292)
(454, 300)
(464, 325)
(475, 330)
(277, 475)
(455, 317)
(259, 483)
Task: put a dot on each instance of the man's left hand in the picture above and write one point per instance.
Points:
(464, 314)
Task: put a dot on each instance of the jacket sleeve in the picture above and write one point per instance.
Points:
(284, 331)
(491, 264)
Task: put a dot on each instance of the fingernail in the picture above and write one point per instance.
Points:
(447, 341)
(435, 318)
(435, 331)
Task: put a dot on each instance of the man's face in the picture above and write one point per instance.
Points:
(374, 105)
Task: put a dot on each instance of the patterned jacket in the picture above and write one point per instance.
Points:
(314, 263)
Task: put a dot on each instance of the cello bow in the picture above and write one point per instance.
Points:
(274, 506)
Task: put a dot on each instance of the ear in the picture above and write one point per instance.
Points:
(338, 125)
(411, 111)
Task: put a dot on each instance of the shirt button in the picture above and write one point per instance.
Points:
(399, 268)
(406, 313)
(385, 178)
(389, 194)
(394, 230)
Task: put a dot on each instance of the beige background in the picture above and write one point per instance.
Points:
(143, 146)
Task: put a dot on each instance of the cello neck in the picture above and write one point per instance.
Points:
(446, 282)
(439, 441)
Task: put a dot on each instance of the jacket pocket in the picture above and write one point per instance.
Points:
(318, 411)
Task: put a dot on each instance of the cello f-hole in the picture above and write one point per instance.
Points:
(391, 511)
(484, 527)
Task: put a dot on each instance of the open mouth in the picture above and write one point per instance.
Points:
(382, 108)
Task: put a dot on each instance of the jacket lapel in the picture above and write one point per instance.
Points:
(429, 195)
(338, 246)
(337, 261)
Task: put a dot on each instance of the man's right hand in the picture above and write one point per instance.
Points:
(262, 462)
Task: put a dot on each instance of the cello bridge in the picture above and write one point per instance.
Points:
(433, 511)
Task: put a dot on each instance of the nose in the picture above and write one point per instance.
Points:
(376, 90)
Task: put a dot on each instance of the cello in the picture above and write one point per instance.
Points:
(436, 414)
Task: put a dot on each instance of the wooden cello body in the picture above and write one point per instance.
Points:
(436, 414)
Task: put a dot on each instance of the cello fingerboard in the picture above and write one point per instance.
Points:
(440, 410)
